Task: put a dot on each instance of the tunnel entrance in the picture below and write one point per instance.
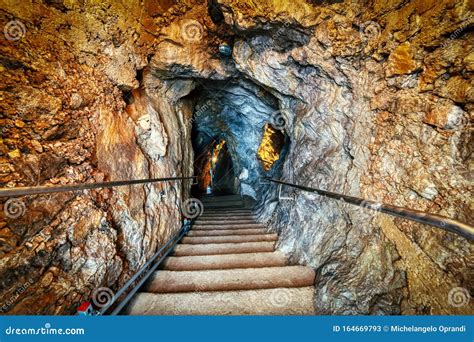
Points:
(215, 171)
(233, 139)
(222, 171)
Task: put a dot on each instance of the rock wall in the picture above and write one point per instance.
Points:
(375, 98)
(77, 106)
(378, 98)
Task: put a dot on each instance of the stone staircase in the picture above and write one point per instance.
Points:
(227, 265)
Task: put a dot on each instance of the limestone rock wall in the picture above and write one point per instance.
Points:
(375, 98)
(378, 98)
(76, 107)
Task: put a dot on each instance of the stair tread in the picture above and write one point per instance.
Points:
(227, 265)
(228, 280)
(229, 212)
(226, 218)
(224, 248)
(225, 261)
(279, 301)
(228, 226)
(233, 210)
(220, 222)
(220, 232)
(228, 238)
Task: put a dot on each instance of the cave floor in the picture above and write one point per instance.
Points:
(227, 265)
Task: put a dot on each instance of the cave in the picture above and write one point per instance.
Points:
(369, 100)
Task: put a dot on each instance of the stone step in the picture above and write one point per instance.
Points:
(217, 197)
(193, 240)
(226, 218)
(229, 226)
(224, 248)
(221, 199)
(225, 205)
(224, 261)
(227, 214)
(222, 221)
(221, 232)
(209, 216)
(233, 217)
(278, 301)
(228, 211)
(229, 280)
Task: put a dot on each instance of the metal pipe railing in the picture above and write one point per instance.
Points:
(163, 252)
(439, 221)
(46, 189)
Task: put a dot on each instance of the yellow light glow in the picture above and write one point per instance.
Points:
(270, 147)
(216, 151)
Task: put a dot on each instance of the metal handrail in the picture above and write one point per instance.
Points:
(173, 241)
(46, 189)
(163, 251)
(439, 221)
